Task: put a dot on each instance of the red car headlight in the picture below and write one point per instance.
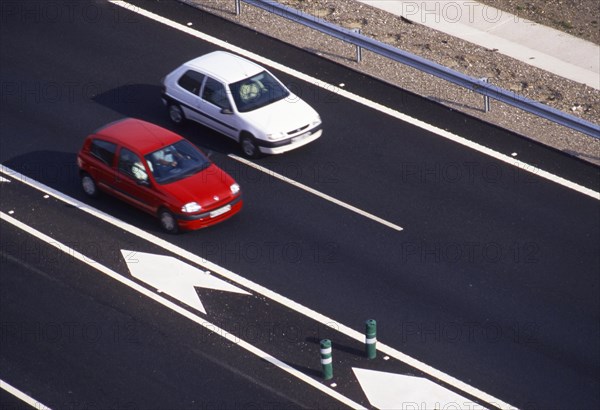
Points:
(191, 207)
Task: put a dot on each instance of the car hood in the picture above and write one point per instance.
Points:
(285, 115)
(209, 188)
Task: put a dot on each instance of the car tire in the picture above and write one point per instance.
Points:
(249, 147)
(89, 185)
(167, 221)
(176, 114)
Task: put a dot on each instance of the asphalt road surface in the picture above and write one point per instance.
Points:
(492, 280)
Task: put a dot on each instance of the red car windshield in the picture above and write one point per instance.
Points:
(176, 161)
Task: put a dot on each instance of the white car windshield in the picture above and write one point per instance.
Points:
(176, 161)
(257, 91)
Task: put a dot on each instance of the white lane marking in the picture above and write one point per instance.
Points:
(259, 289)
(22, 396)
(371, 104)
(174, 277)
(2, 179)
(397, 391)
(315, 192)
(178, 309)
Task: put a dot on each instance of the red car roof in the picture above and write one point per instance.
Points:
(139, 135)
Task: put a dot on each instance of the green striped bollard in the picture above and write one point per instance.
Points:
(326, 360)
(371, 338)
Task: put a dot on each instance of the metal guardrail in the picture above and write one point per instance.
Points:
(473, 84)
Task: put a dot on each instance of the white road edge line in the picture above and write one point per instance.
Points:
(371, 104)
(259, 289)
(315, 192)
(183, 312)
(22, 396)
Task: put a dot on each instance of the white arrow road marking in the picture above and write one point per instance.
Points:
(2, 179)
(180, 310)
(174, 277)
(256, 288)
(397, 391)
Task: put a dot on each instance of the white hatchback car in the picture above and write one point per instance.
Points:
(241, 100)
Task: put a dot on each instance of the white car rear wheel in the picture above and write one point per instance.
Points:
(176, 114)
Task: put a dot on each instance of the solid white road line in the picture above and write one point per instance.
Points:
(368, 103)
(22, 396)
(256, 288)
(178, 309)
(315, 192)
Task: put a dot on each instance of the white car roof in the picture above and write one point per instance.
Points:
(225, 66)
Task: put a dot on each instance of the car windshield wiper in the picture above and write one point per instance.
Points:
(195, 170)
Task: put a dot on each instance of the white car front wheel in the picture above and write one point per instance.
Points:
(249, 147)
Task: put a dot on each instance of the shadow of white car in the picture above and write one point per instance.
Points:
(242, 100)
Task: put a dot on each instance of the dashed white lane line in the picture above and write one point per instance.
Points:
(183, 312)
(315, 192)
(364, 101)
(258, 289)
(22, 396)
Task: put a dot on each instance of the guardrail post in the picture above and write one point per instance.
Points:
(371, 338)
(486, 99)
(358, 48)
(326, 359)
(238, 7)
(429, 67)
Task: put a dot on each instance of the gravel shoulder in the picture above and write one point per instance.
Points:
(579, 16)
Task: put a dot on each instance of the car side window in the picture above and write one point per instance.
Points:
(131, 165)
(214, 92)
(191, 81)
(103, 150)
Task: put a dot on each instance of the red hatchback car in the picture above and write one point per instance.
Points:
(158, 172)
